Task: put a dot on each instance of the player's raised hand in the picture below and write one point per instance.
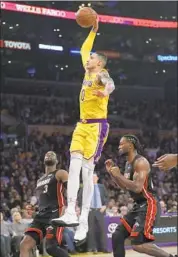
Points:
(96, 25)
(109, 164)
(111, 168)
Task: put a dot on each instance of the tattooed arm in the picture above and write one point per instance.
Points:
(107, 81)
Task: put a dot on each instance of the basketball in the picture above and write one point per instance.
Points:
(86, 17)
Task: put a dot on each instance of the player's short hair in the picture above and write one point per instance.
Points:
(135, 142)
(103, 58)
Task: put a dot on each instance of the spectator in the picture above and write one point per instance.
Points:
(163, 207)
(5, 237)
(115, 212)
(123, 211)
(18, 229)
(110, 205)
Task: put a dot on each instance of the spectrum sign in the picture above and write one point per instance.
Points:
(167, 58)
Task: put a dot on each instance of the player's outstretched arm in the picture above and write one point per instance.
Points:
(166, 162)
(107, 81)
(88, 44)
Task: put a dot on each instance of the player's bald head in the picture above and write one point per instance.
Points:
(50, 158)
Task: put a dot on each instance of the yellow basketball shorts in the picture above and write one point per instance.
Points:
(89, 138)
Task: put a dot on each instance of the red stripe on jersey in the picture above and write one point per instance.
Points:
(59, 233)
(60, 197)
(38, 231)
(61, 203)
(126, 225)
(151, 212)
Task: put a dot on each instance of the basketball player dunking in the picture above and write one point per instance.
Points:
(138, 224)
(89, 135)
(50, 190)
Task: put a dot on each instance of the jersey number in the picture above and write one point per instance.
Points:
(82, 94)
(45, 189)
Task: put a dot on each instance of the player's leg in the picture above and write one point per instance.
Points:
(27, 244)
(142, 232)
(33, 236)
(118, 241)
(76, 149)
(53, 242)
(96, 137)
(152, 250)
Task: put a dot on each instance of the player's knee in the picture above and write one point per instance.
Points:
(53, 249)
(50, 249)
(89, 165)
(138, 248)
(26, 244)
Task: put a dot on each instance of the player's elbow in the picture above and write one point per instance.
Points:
(111, 85)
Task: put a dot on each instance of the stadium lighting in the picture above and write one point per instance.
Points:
(15, 142)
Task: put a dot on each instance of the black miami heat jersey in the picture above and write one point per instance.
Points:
(50, 193)
(148, 189)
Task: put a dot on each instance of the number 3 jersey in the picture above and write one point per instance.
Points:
(92, 107)
(50, 193)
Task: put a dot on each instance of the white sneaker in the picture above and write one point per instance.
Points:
(81, 232)
(67, 220)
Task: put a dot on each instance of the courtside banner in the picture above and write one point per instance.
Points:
(18, 45)
(165, 232)
(16, 7)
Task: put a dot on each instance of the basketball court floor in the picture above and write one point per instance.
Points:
(129, 253)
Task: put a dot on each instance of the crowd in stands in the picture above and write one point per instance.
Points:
(20, 169)
(59, 111)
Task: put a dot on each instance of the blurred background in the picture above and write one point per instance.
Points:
(41, 77)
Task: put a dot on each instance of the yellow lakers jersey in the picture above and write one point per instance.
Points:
(91, 106)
